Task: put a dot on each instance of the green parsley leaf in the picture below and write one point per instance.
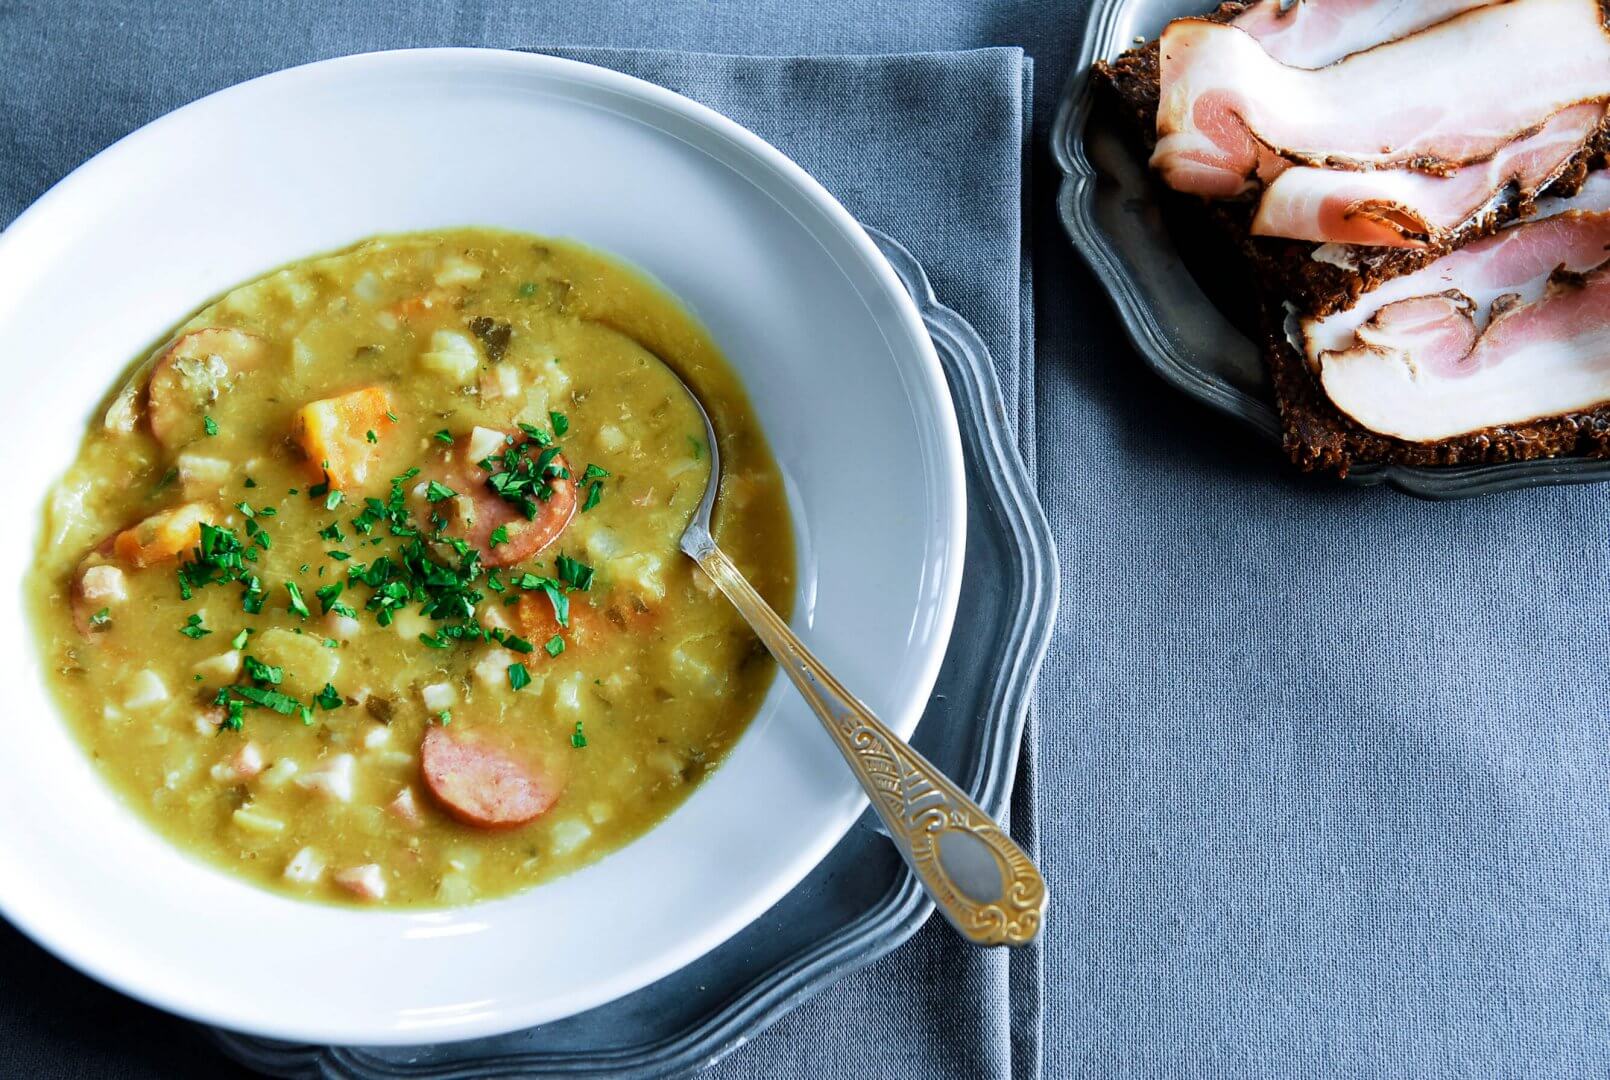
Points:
(435, 641)
(519, 677)
(555, 646)
(436, 492)
(595, 491)
(561, 424)
(260, 672)
(527, 289)
(298, 605)
(333, 499)
(444, 436)
(328, 698)
(101, 617)
(445, 717)
(577, 738)
(371, 436)
(250, 482)
(500, 535)
(327, 595)
(193, 629)
(698, 447)
(239, 640)
(576, 574)
(518, 643)
(209, 425)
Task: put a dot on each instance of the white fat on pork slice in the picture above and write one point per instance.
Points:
(1433, 100)
(1404, 208)
(1512, 329)
(1314, 33)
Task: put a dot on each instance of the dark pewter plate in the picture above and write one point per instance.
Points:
(861, 902)
(1107, 204)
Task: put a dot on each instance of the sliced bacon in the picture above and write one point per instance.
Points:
(1510, 329)
(1452, 94)
(1313, 33)
(1404, 208)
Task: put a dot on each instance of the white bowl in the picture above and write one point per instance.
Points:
(831, 349)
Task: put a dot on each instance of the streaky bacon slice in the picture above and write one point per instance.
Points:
(1404, 208)
(1313, 33)
(1432, 101)
(1510, 329)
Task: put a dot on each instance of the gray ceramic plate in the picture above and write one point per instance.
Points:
(861, 901)
(1107, 206)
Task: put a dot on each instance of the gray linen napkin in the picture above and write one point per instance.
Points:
(926, 147)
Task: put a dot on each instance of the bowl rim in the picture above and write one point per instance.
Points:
(35, 226)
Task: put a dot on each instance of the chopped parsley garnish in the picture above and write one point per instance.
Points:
(259, 672)
(282, 703)
(517, 643)
(525, 481)
(561, 424)
(527, 289)
(698, 447)
(444, 436)
(500, 535)
(333, 532)
(239, 640)
(298, 605)
(218, 559)
(333, 499)
(250, 482)
(101, 617)
(577, 738)
(328, 698)
(593, 479)
(164, 480)
(327, 595)
(435, 641)
(391, 416)
(436, 492)
(576, 574)
(555, 646)
(519, 677)
(371, 436)
(193, 629)
(445, 717)
(209, 425)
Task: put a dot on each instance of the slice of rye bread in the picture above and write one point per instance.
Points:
(1315, 433)
(1319, 436)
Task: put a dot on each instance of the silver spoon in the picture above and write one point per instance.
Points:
(986, 886)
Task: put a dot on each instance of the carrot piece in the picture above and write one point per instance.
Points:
(335, 434)
(163, 536)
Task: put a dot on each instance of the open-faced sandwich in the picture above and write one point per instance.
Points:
(1411, 186)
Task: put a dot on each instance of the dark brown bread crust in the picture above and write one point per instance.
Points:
(1316, 434)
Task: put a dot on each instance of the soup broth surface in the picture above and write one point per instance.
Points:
(366, 585)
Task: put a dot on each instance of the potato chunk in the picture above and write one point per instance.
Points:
(307, 664)
(341, 435)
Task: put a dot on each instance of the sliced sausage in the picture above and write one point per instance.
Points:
(191, 374)
(482, 784)
(335, 434)
(477, 511)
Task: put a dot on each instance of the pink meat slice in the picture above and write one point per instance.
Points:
(1508, 330)
(1313, 33)
(1404, 208)
(1452, 94)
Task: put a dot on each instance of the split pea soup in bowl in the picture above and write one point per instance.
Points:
(366, 584)
(529, 869)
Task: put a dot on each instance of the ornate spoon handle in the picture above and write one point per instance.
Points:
(986, 886)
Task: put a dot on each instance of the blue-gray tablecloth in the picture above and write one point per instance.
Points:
(1320, 774)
